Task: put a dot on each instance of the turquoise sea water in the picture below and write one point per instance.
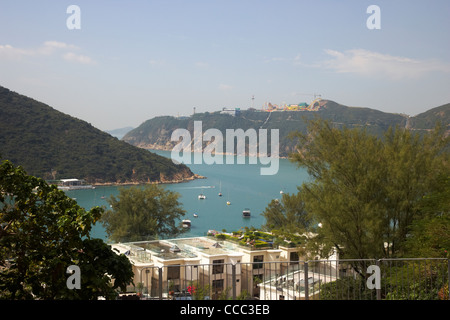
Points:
(241, 184)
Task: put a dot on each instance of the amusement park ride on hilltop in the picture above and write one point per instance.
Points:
(313, 106)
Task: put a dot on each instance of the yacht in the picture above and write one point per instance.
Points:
(246, 213)
(186, 223)
(73, 184)
(201, 196)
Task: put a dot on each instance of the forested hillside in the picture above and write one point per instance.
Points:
(52, 145)
(156, 133)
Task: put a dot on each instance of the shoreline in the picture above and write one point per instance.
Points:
(132, 183)
(162, 148)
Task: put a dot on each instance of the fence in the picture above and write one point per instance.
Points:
(303, 280)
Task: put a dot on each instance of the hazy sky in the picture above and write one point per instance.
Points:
(132, 60)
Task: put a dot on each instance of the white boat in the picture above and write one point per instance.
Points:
(228, 203)
(246, 213)
(73, 184)
(186, 223)
(195, 215)
(201, 196)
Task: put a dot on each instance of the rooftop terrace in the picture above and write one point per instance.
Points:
(166, 250)
(205, 245)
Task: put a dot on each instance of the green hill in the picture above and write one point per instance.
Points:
(156, 133)
(53, 145)
(428, 119)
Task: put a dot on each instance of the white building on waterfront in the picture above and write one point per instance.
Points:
(165, 268)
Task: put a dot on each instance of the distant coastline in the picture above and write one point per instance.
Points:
(134, 183)
(169, 148)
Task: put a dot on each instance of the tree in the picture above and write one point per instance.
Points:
(429, 237)
(42, 233)
(366, 191)
(142, 213)
(287, 215)
(416, 183)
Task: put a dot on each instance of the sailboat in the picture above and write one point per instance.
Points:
(220, 191)
(103, 196)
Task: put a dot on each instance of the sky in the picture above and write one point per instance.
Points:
(119, 63)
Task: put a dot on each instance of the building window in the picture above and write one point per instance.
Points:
(218, 266)
(173, 272)
(294, 258)
(256, 262)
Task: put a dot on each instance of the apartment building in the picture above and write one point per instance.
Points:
(202, 263)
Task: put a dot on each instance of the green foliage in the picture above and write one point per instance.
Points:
(415, 281)
(143, 213)
(261, 239)
(287, 215)
(51, 145)
(366, 191)
(346, 288)
(199, 291)
(244, 295)
(429, 237)
(400, 280)
(42, 232)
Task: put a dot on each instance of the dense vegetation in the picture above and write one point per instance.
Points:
(251, 237)
(42, 233)
(369, 197)
(156, 133)
(373, 198)
(53, 145)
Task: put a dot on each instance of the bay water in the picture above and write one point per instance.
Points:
(240, 184)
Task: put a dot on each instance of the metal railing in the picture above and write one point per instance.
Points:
(367, 279)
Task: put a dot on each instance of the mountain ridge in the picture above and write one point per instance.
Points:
(52, 145)
(155, 133)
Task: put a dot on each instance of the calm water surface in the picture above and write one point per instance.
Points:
(241, 184)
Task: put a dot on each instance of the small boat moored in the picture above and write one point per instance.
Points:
(246, 213)
(186, 223)
(201, 196)
(73, 184)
